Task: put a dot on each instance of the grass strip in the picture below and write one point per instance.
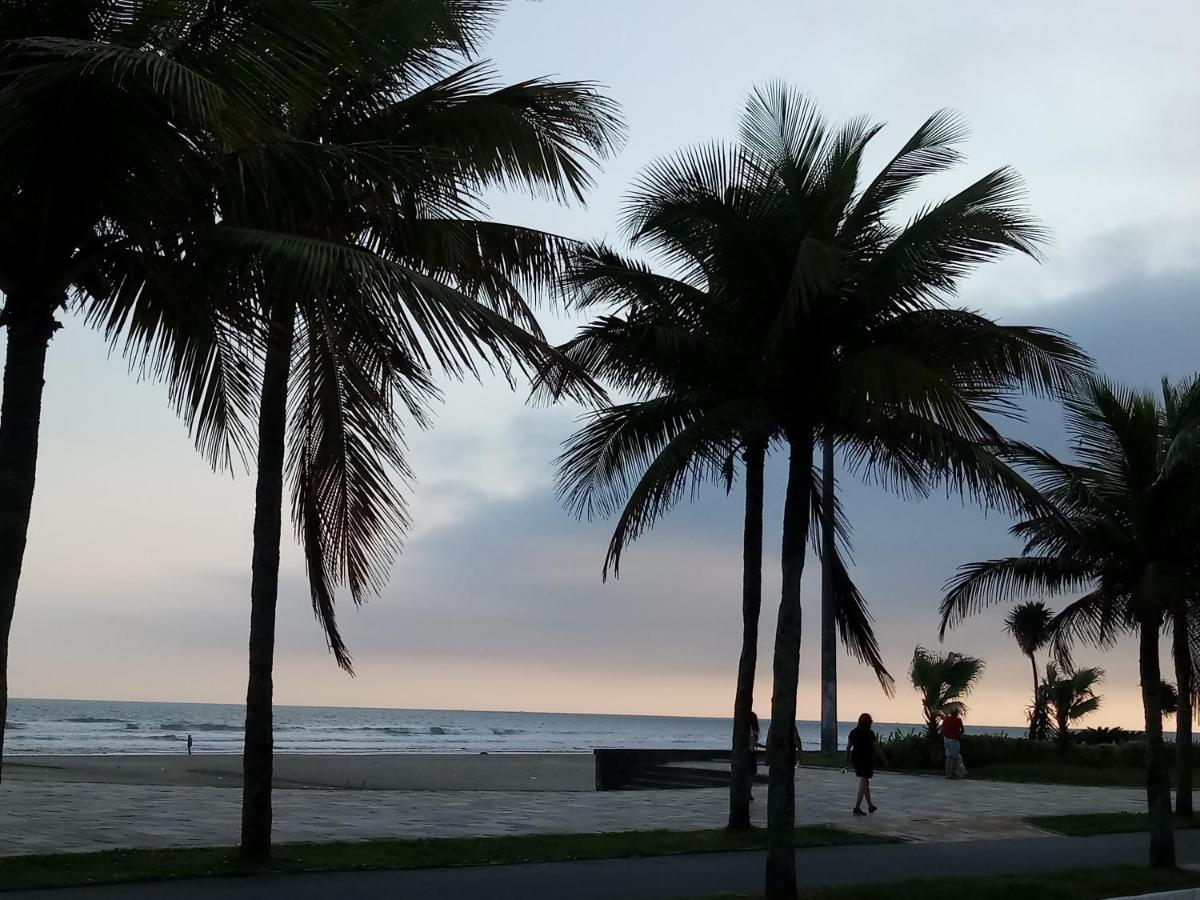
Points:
(1101, 823)
(117, 866)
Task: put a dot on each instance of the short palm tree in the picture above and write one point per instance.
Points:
(154, 86)
(843, 314)
(1120, 527)
(943, 681)
(1069, 696)
(1028, 623)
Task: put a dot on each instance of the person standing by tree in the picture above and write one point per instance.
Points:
(952, 732)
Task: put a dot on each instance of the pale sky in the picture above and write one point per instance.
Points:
(136, 580)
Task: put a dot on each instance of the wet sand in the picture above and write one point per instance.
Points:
(377, 772)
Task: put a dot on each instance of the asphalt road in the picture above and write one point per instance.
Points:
(660, 878)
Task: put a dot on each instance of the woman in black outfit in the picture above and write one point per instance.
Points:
(861, 747)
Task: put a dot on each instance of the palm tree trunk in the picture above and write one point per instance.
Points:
(1158, 783)
(1183, 715)
(30, 322)
(1033, 710)
(829, 717)
(781, 797)
(257, 758)
(742, 767)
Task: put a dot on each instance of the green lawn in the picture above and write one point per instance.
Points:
(1062, 773)
(72, 869)
(1101, 823)
(1078, 884)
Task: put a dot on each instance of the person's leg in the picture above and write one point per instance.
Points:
(862, 790)
(870, 803)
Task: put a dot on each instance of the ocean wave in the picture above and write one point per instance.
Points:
(502, 731)
(129, 726)
(199, 726)
(94, 720)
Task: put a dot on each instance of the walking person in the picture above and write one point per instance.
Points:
(189, 745)
(952, 732)
(861, 747)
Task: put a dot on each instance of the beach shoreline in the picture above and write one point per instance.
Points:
(304, 771)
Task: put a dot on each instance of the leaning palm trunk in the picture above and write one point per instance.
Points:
(781, 797)
(829, 717)
(1036, 713)
(257, 758)
(29, 318)
(1158, 784)
(1183, 715)
(742, 761)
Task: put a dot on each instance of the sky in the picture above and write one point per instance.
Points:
(136, 579)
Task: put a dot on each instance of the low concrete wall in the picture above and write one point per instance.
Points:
(615, 768)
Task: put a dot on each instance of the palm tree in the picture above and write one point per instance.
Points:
(154, 85)
(1070, 695)
(380, 272)
(676, 348)
(1119, 526)
(844, 320)
(1028, 623)
(944, 682)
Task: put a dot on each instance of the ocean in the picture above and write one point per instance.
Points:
(101, 728)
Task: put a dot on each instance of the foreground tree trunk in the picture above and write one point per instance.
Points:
(741, 782)
(257, 758)
(742, 763)
(1183, 716)
(781, 797)
(1158, 783)
(829, 710)
(29, 318)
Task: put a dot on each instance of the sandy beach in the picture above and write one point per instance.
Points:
(378, 772)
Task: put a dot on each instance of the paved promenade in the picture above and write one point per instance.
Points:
(44, 817)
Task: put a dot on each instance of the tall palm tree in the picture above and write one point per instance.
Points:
(844, 317)
(944, 682)
(154, 86)
(382, 271)
(1119, 526)
(1070, 695)
(675, 347)
(1029, 625)
(860, 346)
(829, 707)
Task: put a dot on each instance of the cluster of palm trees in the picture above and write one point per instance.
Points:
(777, 304)
(276, 206)
(1119, 529)
(1065, 693)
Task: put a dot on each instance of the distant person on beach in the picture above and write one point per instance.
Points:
(952, 732)
(861, 747)
(189, 745)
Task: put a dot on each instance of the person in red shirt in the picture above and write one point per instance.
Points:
(952, 732)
